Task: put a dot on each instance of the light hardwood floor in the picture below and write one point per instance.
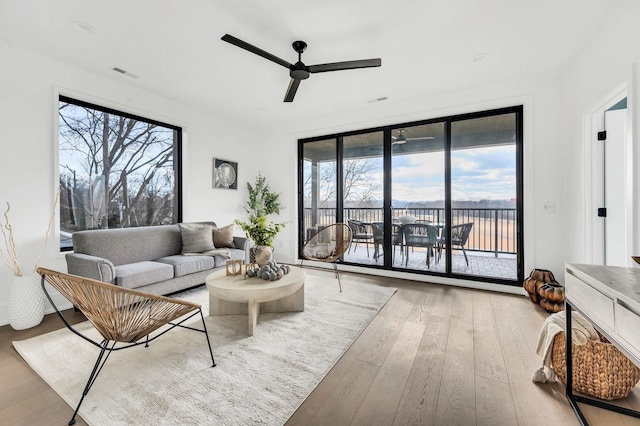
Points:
(439, 355)
(434, 355)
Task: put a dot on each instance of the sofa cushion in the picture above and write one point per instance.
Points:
(223, 237)
(196, 237)
(129, 245)
(134, 275)
(185, 265)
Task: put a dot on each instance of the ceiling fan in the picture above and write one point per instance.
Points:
(300, 71)
(402, 139)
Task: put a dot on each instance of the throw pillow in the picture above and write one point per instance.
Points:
(196, 237)
(223, 237)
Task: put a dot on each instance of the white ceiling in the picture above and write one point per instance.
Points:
(426, 46)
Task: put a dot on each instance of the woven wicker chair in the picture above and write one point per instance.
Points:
(459, 236)
(328, 245)
(360, 234)
(419, 235)
(378, 239)
(120, 316)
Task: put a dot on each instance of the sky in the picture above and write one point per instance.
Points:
(477, 174)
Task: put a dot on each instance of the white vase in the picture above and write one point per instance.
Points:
(26, 302)
(262, 254)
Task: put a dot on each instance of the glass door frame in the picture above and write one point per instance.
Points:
(387, 194)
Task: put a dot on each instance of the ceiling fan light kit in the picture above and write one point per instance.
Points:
(300, 71)
(401, 139)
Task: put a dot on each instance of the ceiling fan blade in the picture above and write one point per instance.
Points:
(256, 50)
(422, 138)
(346, 65)
(291, 91)
(402, 140)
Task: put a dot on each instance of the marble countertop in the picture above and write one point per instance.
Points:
(616, 281)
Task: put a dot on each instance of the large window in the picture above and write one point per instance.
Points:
(440, 196)
(117, 170)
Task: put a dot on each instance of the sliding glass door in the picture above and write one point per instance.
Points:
(319, 186)
(362, 196)
(418, 196)
(484, 220)
(439, 197)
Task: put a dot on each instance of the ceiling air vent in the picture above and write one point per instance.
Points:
(125, 72)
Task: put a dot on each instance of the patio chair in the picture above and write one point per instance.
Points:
(328, 245)
(419, 235)
(120, 315)
(459, 236)
(360, 234)
(378, 238)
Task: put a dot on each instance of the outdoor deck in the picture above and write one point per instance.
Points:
(491, 245)
(480, 263)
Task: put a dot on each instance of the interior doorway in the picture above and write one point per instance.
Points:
(612, 184)
(617, 185)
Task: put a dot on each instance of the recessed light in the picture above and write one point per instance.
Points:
(83, 27)
(479, 57)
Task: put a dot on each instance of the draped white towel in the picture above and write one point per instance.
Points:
(581, 331)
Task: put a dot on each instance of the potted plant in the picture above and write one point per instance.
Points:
(262, 202)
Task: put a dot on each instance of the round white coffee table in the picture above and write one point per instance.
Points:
(232, 295)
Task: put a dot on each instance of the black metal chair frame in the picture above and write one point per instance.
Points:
(420, 235)
(459, 236)
(108, 346)
(378, 239)
(359, 234)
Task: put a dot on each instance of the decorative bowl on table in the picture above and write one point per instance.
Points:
(403, 220)
(270, 272)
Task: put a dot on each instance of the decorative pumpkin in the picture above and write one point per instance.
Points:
(537, 279)
(550, 306)
(552, 292)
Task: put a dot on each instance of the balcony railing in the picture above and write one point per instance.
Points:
(494, 229)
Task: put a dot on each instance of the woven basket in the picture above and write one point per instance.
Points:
(599, 368)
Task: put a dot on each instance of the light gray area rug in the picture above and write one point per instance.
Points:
(259, 380)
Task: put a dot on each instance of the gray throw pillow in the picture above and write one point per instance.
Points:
(223, 237)
(196, 238)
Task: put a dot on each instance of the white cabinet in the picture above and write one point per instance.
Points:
(609, 296)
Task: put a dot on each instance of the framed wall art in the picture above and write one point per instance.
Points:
(225, 174)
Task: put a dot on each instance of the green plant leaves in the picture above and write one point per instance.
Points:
(261, 203)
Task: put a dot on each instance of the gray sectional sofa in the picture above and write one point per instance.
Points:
(148, 259)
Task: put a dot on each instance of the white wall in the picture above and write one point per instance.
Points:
(554, 113)
(28, 83)
(541, 96)
(606, 64)
(557, 162)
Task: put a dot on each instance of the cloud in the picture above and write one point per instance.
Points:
(476, 173)
(480, 173)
